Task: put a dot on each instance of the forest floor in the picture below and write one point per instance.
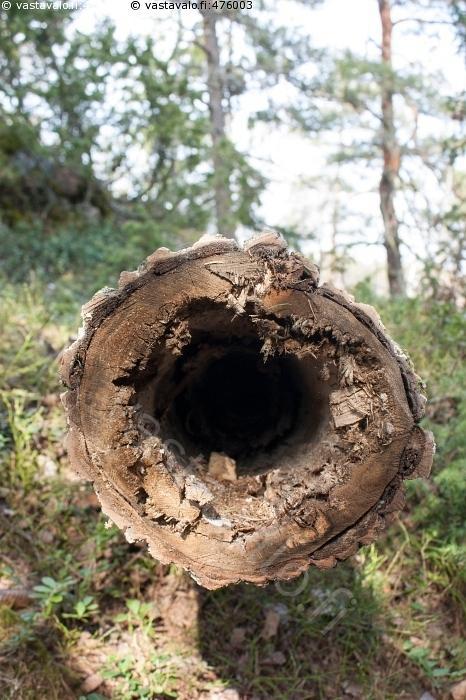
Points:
(98, 618)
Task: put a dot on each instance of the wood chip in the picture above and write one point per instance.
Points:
(16, 598)
(348, 406)
(222, 467)
(238, 637)
(271, 624)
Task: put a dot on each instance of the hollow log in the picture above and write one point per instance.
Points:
(242, 420)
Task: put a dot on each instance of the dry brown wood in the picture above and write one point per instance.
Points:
(242, 420)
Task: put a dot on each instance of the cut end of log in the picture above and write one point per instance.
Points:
(243, 421)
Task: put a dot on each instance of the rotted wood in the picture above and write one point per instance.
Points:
(242, 420)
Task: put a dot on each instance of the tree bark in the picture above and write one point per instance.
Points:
(391, 159)
(215, 85)
(242, 420)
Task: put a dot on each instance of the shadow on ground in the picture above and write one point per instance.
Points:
(321, 636)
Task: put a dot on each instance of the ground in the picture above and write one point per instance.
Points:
(94, 617)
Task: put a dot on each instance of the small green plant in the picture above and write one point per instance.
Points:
(138, 615)
(423, 658)
(83, 609)
(51, 594)
(155, 679)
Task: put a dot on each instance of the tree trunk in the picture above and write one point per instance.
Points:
(225, 223)
(391, 159)
(240, 419)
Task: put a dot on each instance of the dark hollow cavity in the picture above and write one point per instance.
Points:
(222, 395)
(239, 404)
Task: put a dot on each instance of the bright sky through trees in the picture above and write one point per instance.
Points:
(295, 163)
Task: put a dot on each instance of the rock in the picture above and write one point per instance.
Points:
(224, 694)
(458, 691)
(91, 683)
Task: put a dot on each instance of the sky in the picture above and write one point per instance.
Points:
(293, 162)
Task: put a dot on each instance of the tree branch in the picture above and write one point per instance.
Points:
(419, 20)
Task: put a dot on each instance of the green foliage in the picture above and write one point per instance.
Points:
(27, 373)
(433, 333)
(20, 424)
(27, 317)
(137, 614)
(79, 258)
(83, 609)
(458, 13)
(157, 679)
(115, 116)
(51, 593)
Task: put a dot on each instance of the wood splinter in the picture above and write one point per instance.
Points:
(242, 420)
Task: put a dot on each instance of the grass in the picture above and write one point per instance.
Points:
(105, 620)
